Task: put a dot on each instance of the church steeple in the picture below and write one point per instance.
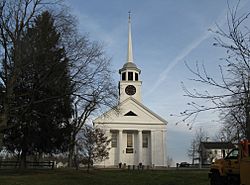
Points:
(129, 63)
(130, 85)
(130, 49)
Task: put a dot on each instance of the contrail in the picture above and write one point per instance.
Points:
(221, 20)
(179, 58)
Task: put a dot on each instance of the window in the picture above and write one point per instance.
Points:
(233, 154)
(145, 140)
(130, 75)
(129, 140)
(136, 77)
(130, 113)
(124, 76)
(114, 140)
(223, 153)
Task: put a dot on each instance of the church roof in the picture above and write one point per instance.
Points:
(119, 109)
(147, 109)
(129, 65)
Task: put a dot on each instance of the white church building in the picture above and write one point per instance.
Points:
(138, 135)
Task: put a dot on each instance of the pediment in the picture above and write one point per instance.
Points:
(130, 111)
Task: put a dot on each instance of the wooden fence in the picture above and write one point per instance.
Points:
(29, 164)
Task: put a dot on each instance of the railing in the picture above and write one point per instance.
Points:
(29, 164)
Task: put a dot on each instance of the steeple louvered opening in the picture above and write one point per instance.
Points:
(130, 76)
(124, 76)
(136, 76)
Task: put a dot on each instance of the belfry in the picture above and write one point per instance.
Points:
(138, 135)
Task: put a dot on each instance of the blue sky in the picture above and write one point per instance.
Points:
(165, 33)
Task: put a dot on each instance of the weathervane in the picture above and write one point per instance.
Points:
(129, 14)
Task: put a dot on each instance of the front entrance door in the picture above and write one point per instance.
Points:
(130, 149)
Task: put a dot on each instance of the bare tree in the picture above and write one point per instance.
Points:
(93, 145)
(233, 125)
(170, 161)
(234, 86)
(194, 149)
(93, 97)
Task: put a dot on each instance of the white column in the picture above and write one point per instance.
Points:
(164, 146)
(152, 146)
(139, 146)
(120, 146)
(108, 134)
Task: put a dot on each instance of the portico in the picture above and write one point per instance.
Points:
(136, 144)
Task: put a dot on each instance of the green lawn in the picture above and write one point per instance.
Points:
(103, 177)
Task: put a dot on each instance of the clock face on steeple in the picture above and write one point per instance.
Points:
(130, 90)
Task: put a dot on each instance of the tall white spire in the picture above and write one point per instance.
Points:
(130, 50)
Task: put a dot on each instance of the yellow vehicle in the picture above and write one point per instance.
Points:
(234, 169)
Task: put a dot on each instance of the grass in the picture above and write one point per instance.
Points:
(103, 177)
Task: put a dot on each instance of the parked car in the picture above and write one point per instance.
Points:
(184, 164)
